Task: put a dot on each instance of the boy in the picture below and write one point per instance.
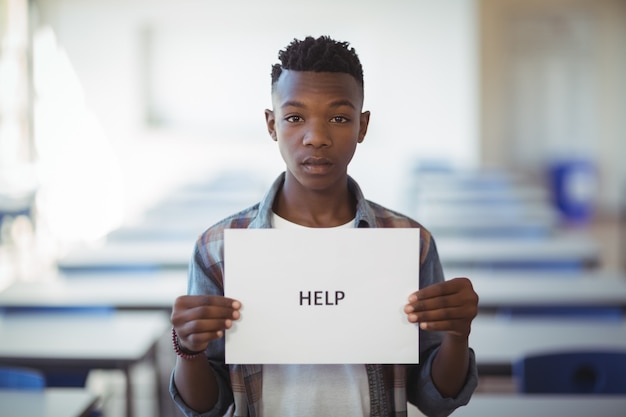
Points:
(317, 122)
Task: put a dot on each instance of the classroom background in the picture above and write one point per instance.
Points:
(127, 128)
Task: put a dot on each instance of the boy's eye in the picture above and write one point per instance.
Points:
(339, 119)
(293, 119)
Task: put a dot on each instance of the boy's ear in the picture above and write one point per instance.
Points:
(270, 122)
(364, 122)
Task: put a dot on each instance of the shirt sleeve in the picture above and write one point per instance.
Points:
(421, 390)
(223, 407)
(200, 283)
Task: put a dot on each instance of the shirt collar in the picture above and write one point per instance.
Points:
(364, 215)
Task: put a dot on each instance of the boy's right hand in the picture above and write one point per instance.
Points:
(198, 319)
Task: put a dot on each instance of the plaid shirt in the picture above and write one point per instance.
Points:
(391, 386)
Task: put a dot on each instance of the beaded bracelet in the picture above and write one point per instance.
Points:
(181, 351)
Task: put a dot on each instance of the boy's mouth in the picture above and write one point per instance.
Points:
(316, 164)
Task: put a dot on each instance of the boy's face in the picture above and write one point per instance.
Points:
(317, 122)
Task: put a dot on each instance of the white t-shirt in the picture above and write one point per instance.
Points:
(314, 390)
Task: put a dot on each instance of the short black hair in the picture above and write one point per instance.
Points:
(323, 54)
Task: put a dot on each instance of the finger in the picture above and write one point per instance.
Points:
(442, 288)
(457, 327)
(211, 312)
(443, 314)
(187, 301)
(198, 341)
(188, 308)
(463, 295)
(205, 326)
(447, 301)
(195, 335)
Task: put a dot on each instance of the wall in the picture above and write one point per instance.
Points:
(199, 72)
(553, 85)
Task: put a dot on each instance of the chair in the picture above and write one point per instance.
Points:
(21, 378)
(16, 204)
(572, 372)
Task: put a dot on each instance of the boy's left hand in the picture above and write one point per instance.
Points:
(448, 306)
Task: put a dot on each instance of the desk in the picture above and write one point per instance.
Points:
(513, 405)
(50, 402)
(575, 251)
(480, 211)
(127, 291)
(187, 226)
(489, 227)
(118, 340)
(179, 220)
(513, 219)
(448, 176)
(579, 251)
(130, 255)
(499, 342)
(211, 206)
(153, 232)
(569, 288)
(515, 194)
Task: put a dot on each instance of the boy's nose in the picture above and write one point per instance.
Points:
(317, 136)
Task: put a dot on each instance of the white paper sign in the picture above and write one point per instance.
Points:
(321, 296)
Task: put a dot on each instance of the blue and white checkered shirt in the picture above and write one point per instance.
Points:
(391, 386)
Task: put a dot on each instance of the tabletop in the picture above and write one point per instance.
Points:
(454, 252)
(114, 340)
(137, 255)
(154, 290)
(49, 402)
(514, 405)
(575, 249)
(536, 288)
(99, 340)
(499, 342)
